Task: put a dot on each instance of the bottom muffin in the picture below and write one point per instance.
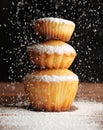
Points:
(51, 90)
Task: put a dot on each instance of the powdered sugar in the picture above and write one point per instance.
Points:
(88, 116)
(52, 78)
(52, 49)
(57, 20)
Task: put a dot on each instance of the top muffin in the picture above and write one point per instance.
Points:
(54, 28)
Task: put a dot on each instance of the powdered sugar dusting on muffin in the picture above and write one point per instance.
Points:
(52, 78)
(52, 49)
(57, 20)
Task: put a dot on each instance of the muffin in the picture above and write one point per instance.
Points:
(52, 54)
(51, 90)
(54, 28)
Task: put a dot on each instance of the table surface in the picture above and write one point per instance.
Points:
(86, 112)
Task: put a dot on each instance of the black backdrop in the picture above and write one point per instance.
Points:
(16, 33)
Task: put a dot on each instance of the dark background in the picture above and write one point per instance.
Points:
(16, 33)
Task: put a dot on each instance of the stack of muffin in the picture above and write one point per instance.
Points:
(53, 87)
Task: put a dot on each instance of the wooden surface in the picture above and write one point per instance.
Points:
(14, 92)
(85, 114)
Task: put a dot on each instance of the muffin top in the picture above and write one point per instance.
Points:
(52, 75)
(57, 20)
(52, 46)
